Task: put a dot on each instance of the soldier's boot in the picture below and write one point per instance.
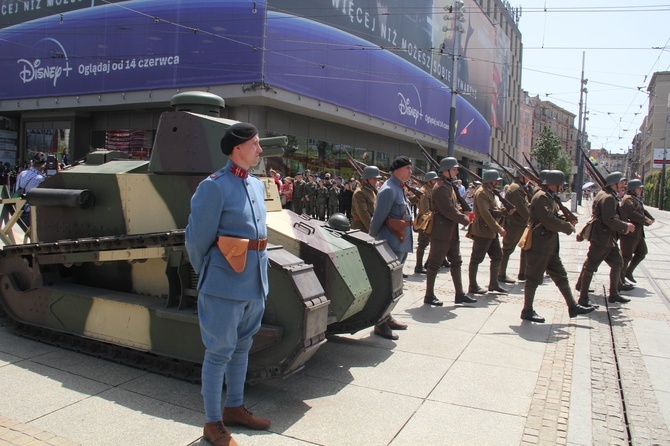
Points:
(631, 267)
(461, 297)
(493, 279)
(528, 313)
(419, 268)
(615, 285)
(430, 298)
(580, 280)
(585, 277)
(472, 276)
(502, 273)
(574, 309)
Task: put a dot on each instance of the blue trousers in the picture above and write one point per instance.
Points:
(227, 327)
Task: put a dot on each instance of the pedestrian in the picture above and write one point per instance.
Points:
(633, 245)
(514, 226)
(287, 193)
(425, 211)
(29, 179)
(607, 225)
(299, 192)
(392, 222)
(484, 232)
(347, 197)
(364, 199)
(544, 252)
(226, 240)
(444, 237)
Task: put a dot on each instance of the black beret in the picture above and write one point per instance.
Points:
(399, 162)
(237, 134)
(39, 158)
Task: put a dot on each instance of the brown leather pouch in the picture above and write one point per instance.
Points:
(397, 227)
(234, 250)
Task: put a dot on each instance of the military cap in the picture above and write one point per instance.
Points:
(613, 178)
(634, 184)
(237, 134)
(555, 177)
(491, 175)
(399, 162)
(370, 172)
(447, 163)
(429, 176)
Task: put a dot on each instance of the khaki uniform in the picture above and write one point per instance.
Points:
(299, 191)
(514, 225)
(544, 255)
(633, 245)
(363, 205)
(484, 232)
(603, 244)
(444, 238)
(423, 239)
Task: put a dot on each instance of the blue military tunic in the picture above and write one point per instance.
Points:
(218, 198)
(392, 202)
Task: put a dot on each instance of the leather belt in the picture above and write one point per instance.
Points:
(254, 245)
(258, 245)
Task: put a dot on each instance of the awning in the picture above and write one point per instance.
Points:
(587, 185)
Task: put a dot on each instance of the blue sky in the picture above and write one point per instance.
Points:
(618, 39)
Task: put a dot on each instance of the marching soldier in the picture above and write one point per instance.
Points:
(543, 255)
(484, 231)
(364, 199)
(633, 245)
(444, 238)
(424, 208)
(607, 226)
(514, 226)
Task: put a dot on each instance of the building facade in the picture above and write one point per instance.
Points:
(654, 131)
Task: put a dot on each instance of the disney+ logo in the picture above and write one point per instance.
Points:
(56, 67)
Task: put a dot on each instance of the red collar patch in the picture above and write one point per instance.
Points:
(238, 171)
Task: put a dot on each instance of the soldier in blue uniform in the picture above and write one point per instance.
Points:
(226, 240)
(392, 203)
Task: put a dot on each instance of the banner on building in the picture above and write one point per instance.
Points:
(385, 58)
(659, 157)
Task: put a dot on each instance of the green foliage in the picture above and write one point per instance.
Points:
(652, 184)
(550, 155)
(546, 150)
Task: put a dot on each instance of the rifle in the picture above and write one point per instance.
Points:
(506, 204)
(537, 174)
(569, 216)
(353, 162)
(465, 206)
(595, 173)
(509, 174)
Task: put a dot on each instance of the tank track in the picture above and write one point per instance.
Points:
(174, 368)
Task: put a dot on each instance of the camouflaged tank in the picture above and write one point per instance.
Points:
(108, 273)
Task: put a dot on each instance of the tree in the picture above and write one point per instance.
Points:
(547, 149)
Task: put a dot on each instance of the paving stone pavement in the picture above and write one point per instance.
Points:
(461, 374)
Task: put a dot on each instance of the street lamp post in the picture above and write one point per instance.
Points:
(458, 18)
(580, 158)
